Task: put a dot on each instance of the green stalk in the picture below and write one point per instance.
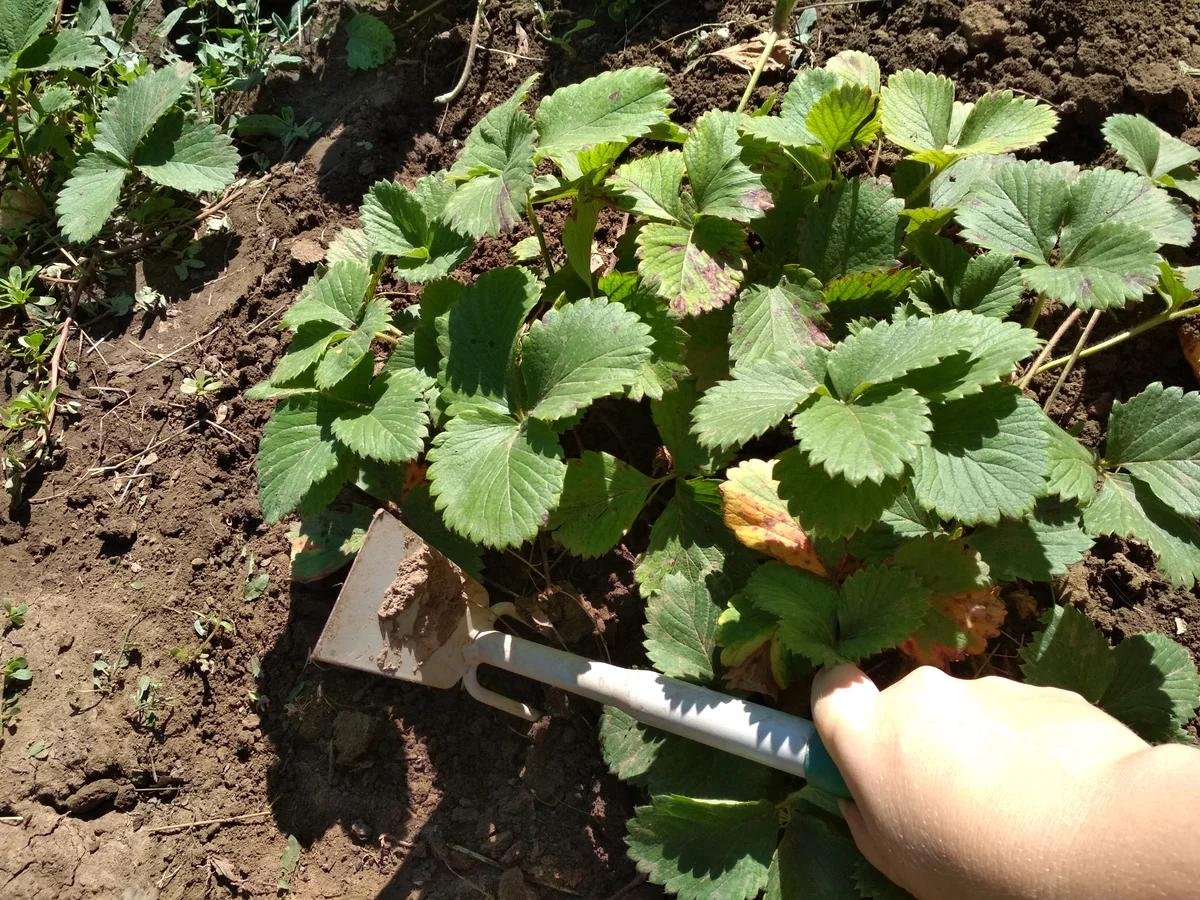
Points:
(19, 142)
(1038, 305)
(1121, 337)
(779, 23)
(541, 238)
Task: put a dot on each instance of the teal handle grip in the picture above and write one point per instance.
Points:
(822, 772)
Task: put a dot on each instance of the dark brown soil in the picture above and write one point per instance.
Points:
(151, 522)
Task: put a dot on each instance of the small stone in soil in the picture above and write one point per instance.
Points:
(92, 796)
(982, 24)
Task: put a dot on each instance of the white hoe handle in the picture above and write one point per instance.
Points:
(753, 732)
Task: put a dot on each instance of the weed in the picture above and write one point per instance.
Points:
(15, 614)
(200, 384)
(145, 700)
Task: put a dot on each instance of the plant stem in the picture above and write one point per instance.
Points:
(1038, 305)
(1072, 359)
(541, 238)
(19, 142)
(449, 96)
(768, 49)
(1048, 349)
(1123, 336)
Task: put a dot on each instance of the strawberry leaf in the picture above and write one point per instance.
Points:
(369, 42)
(187, 156)
(1073, 471)
(871, 439)
(722, 184)
(987, 459)
(759, 517)
(297, 453)
(390, 422)
(790, 128)
(525, 476)
(854, 227)
(496, 168)
(406, 224)
(843, 118)
(130, 114)
(652, 186)
(758, 397)
(673, 415)
(1069, 653)
(697, 849)
(579, 353)
(89, 196)
(1155, 436)
(1147, 149)
(681, 629)
(1036, 548)
(664, 370)
(601, 498)
(694, 268)
(1127, 509)
(770, 320)
(612, 107)
(829, 506)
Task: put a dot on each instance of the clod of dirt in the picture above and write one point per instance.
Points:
(982, 25)
(117, 534)
(1157, 84)
(92, 796)
(353, 735)
(512, 886)
(429, 580)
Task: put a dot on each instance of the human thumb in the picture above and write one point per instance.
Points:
(843, 706)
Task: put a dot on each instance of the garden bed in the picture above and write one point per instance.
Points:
(151, 522)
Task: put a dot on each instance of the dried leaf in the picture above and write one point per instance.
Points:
(745, 55)
(760, 519)
(958, 625)
(755, 674)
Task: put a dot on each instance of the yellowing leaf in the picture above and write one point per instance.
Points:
(758, 517)
(957, 625)
(1189, 341)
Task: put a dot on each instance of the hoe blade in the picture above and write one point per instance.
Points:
(405, 611)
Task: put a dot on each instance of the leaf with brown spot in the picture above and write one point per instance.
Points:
(694, 269)
(758, 517)
(745, 55)
(957, 626)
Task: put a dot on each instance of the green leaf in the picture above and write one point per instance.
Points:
(130, 114)
(1035, 548)
(1146, 148)
(1129, 510)
(496, 480)
(89, 196)
(681, 629)
(1155, 436)
(829, 506)
(497, 166)
(1155, 688)
(876, 608)
(326, 542)
(611, 107)
(579, 353)
(990, 285)
(476, 337)
(1113, 265)
(344, 355)
(758, 397)
(420, 514)
(690, 538)
(874, 286)
(857, 67)
(916, 109)
(996, 350)
(337, 298)
(667, 764)
(1000, 122)
(855, 227)
(890, 350)
(21, 21)
(1017, 208)
(70, 48)
(790, 128)
(673, 415)
(871, 439)
(664, 370)
(843, 118)
(187, 156)
(1103, 195)
(695, 268)
(770, 320)
(722, 184)
(308, 345)
(1149, 682)
(815, 858)
(296, 454)
(652, 186)
(369, 42)
(406, 224)
(987, 459)
(391, 422)
(601, 498)
(1073, 470)
(1069, 653)
(699, 849)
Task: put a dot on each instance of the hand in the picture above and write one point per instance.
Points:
(992, 788)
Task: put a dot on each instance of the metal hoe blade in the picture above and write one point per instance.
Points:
(405, 611)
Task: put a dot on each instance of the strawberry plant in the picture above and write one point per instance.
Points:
(837, 363)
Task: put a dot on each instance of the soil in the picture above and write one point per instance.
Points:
(146, 713)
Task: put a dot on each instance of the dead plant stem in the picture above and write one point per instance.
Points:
(448, 97)
(1072, 359)
(1049, 348)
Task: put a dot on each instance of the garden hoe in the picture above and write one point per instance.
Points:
(408, 612)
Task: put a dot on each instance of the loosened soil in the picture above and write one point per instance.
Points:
(150, 520)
